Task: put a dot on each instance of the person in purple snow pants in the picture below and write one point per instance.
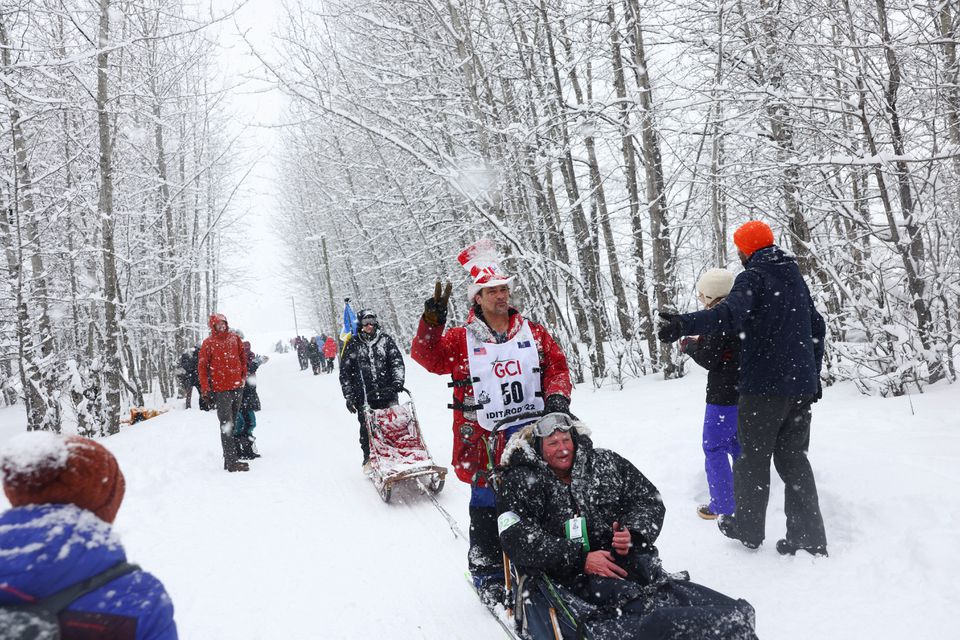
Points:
(718, 353)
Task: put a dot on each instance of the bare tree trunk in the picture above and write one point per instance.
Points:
(112, 373)
(588, 264)
(663, 258)
(44, 410)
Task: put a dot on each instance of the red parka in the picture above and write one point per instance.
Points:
(445, 353)
(222, 365)
(330, 348)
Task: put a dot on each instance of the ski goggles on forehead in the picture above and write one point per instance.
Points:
(552, 422)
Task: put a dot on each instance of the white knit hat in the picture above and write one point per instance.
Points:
(715, 283)
(481, 262)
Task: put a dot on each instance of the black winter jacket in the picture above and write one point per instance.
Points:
(605, 488)
(372, 371)
(718, 353)
(781, 331)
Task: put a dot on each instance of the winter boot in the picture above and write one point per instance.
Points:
(787, 548)
(236, 466)
(491, 589)
(728, 527)
(704, 512)
(238, 444)
(252, 447)
(367, 468)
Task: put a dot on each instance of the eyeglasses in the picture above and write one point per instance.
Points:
(552, 422)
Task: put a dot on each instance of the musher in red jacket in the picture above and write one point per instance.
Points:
(501, 365)
(222, 368)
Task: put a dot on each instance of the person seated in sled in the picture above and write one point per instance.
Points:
(588, 519)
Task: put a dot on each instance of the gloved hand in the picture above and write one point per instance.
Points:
(207, 397)
(671, 328)
(688, 344)
(398, 386)
(351, 407)
(435, 308)
(557, 403)
(819, 394)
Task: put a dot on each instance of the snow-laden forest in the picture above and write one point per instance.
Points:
(608, 148)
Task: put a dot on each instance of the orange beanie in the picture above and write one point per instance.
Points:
(46, 468)
(752, 236)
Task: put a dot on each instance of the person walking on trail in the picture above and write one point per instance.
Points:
(329, 353)
(314, 355)
(65, 492)
(718, 353)
(249, 405)
(222, 370)
(782, 343)
(187, 373)
(502, 365)
(372, 374)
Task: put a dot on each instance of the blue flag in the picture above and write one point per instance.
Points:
(349, 321)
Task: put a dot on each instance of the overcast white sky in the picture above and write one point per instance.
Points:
(259, 303)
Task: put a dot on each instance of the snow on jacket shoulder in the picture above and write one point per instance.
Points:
(445, 353)
(46, 548)
(781, 332)
(605, 488)
(222, 365)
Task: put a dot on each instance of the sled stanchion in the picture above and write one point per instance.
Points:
(507, 583)
(556, 625)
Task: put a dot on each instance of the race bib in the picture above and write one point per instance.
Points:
(576, 529)
(506, 520)
(506, 377)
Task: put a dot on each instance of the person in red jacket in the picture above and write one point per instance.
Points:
(503, 366)
(329, 353)
(222, 368)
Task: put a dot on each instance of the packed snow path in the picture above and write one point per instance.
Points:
(302, 547)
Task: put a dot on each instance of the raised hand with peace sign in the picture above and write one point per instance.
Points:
(435, 308)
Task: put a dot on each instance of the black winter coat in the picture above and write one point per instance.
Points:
(781, 331)
(718, 353)
(251, 399)
(605, 488)
(372, 371)
(187, 373)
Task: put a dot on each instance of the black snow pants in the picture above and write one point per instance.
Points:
(228, 406)
(485, 557)
(777, 426)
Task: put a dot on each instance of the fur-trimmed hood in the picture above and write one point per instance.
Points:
(522, 448)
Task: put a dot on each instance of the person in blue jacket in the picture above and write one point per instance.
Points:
(65, 493)
(782, 343)
(718, 353)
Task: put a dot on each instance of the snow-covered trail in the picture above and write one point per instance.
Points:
(302, 547)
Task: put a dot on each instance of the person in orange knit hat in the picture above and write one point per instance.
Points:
(782, 344)
(65, 492)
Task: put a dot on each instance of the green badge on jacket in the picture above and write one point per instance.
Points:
(576, 529)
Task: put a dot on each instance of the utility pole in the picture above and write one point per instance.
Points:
(295, 326)
(333, 308)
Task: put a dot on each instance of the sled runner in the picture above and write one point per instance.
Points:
(397, 450)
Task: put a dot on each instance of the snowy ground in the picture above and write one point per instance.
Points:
(303, 548)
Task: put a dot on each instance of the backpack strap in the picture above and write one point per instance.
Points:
(62, 599)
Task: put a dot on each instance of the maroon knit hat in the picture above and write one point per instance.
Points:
(46, 468)
(752, 236)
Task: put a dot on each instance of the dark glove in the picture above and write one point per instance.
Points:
(435, 308)
(819, 394)
(207, 397)
(671, 327)
(398, 386)
(351, 407)
(557, 403)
